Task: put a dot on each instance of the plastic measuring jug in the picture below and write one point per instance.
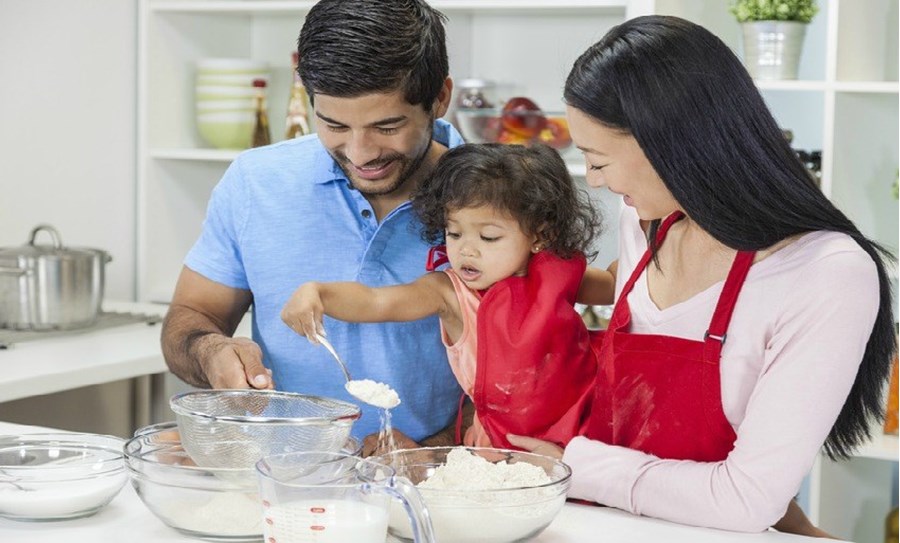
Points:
(328, 497)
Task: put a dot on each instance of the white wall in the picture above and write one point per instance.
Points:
(67, 126)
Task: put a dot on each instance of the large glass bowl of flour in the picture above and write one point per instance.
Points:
(212, 503)
(58, 476)
(481, 495)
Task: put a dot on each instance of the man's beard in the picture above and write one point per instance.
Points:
(408, 167)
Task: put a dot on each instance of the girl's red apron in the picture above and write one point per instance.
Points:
(660, 394)
(536, 368)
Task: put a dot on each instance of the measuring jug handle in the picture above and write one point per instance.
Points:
(420, 519)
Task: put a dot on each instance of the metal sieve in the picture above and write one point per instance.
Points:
(235, 428)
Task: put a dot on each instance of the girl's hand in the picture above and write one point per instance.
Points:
(536, 446)
(303, 312)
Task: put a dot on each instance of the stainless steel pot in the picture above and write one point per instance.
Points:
(50, 287)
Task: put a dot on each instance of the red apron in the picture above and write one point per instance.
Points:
(535, 367)
(660, 394)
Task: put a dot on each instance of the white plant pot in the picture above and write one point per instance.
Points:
(772, 48)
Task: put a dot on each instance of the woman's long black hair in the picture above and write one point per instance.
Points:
(701, 122)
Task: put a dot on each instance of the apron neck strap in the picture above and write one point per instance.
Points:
(718, 326)
(642, 263)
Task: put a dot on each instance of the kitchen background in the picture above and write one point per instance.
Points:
(98, 139)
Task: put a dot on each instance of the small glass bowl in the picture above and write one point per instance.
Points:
(58, 476)
(480, 515)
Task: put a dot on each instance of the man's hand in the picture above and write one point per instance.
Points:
(232, 362)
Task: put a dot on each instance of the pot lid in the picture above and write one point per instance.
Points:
(33, 249)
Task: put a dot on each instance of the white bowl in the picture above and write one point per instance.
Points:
(229, 80)
(58, 476)
(212, 106)
(226, 129)
(231, 65)
(220, 92)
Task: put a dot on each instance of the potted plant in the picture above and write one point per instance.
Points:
(773, 32)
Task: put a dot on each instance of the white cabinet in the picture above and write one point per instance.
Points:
(845, 104)
(527, 44)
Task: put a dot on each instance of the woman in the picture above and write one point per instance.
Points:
(754, 325)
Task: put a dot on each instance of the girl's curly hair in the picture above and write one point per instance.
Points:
(531, 183)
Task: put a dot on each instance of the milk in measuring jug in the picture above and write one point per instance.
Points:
(337, 521)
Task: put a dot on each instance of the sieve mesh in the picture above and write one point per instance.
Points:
(235, 428)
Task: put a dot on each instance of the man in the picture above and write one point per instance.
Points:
(330, 207)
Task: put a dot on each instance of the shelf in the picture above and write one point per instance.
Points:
(799, 85)
(875, 87)
(576, 169)
(207, 155)
(279, 6)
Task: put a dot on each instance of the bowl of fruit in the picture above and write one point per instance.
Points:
(519, 121)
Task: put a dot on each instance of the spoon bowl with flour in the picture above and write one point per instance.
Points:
(365, 390)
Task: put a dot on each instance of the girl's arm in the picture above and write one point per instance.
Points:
(598, 287)
(355, 302)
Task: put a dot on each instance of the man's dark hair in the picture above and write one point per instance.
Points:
(349, 48)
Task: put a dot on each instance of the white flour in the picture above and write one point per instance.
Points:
(462, 514)
(59, 500)
(225, 514)
(373, 393)
(466, 471)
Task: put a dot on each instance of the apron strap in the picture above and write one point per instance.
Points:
(718, 326)
(642, 263)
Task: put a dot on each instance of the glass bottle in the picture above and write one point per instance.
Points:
(297, 122)
(261, 134)
(891, 532)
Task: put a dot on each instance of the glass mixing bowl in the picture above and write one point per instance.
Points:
(481, 511)
(57, 476)
(219, 504)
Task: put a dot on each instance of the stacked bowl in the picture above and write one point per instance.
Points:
(224, 100)
(197, 474)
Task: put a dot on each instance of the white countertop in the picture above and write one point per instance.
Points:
(127, 519)
(88, 357)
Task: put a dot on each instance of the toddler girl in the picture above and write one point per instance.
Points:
(517, 231)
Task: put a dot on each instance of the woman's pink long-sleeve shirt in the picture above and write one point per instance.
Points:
(794, 345)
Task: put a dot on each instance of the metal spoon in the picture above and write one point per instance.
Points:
(331, 350)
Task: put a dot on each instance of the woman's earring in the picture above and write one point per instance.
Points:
(537, 247)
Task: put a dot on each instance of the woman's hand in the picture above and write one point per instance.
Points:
(537, 446)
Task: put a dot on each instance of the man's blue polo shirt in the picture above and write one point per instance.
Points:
(285, 214)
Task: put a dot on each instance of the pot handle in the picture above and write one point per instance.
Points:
(54, 234)
(12, 271)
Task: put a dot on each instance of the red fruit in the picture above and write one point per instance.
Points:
(556, 134)
(523, 117)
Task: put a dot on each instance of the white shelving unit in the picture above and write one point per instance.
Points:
(845, 103)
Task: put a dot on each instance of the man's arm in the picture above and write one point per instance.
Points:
(197, 340)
